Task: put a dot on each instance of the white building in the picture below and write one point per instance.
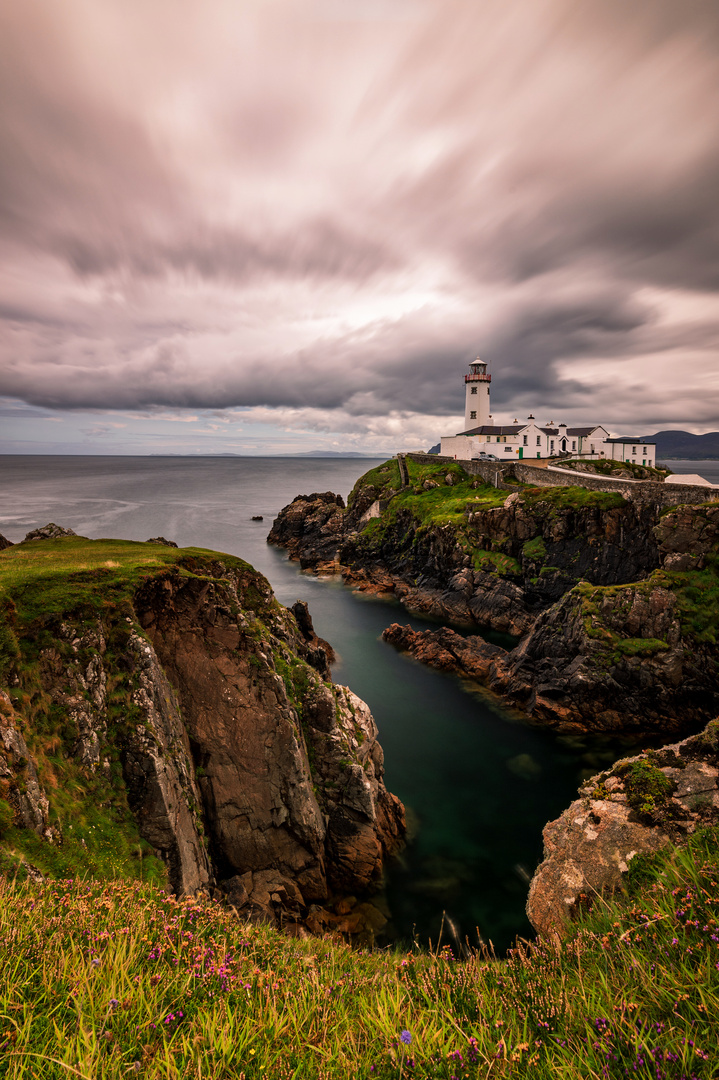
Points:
(517, 441)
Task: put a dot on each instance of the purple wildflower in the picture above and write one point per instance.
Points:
(406, 1037)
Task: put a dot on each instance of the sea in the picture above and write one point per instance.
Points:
(478, 782)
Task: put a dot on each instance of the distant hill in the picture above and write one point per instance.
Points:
(683, 444)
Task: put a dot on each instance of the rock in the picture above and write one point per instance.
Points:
(320, 653)
(639, 806)
(311, 528)
(446, 650)
(323, 826)
(49, 532)
(18, 770)
(161, 540)
(5, 543)
(614, 661)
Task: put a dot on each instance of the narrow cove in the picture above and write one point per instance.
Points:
(478, 783)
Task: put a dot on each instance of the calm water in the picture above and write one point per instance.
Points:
(478, 784)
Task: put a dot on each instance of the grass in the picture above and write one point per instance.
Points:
(116, 980)
(53, 577)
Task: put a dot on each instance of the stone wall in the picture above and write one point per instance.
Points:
(643, 491)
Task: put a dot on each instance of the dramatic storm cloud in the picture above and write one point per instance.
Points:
(282, 223)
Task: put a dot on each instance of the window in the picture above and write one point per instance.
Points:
(473, 390)
(508, 449)
(574, 444)
(526, 440)
(551, 444)
(473, 416)
(539, 440)
(634, 449)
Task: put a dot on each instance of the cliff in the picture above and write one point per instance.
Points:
(613, 603)
(639, 806)
(449, 546)
(165, 716)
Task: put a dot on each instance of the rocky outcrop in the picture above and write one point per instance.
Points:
(638, 806)
(623, 666)
(311, 528)
(25, 801)
(497, 569)
(4, 542)
(290, 770)
(246, 769)
(49, 532)
(446, 650)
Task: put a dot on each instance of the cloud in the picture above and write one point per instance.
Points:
(322, 209)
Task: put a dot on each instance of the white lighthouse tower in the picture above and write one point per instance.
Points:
(476, 405)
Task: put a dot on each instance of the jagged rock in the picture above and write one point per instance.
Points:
(689, 531)
(419, 564)
(620, 666)
(588, 849)
(18, 775)
(161, 540)
(310, 528)
(325, 826)
(319, 653)
(5, 543)
(49, 532)
(446, 650)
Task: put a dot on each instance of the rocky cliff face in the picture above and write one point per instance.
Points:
(492, 559)
(615, 606)
(640, 657)
(635, 808)
(192, 696)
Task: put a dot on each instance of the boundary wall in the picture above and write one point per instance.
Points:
(650, 492)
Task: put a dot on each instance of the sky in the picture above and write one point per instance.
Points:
(274, 226)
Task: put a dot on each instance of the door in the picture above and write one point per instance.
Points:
(521, 451)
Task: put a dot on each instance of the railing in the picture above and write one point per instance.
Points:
(477, 378)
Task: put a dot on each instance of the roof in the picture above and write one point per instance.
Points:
(582, 431)
(490, 429)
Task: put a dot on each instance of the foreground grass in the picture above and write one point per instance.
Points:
(113, 980)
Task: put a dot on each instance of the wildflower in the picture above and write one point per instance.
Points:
(406, 1037)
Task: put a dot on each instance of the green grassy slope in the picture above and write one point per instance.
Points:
(109, 981)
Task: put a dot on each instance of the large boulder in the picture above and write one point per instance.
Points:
(639, 806)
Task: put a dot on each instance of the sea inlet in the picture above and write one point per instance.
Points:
(478, 783)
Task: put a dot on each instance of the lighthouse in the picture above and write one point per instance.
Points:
(476, 403)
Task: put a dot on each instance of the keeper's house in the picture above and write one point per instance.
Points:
(512, 442)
